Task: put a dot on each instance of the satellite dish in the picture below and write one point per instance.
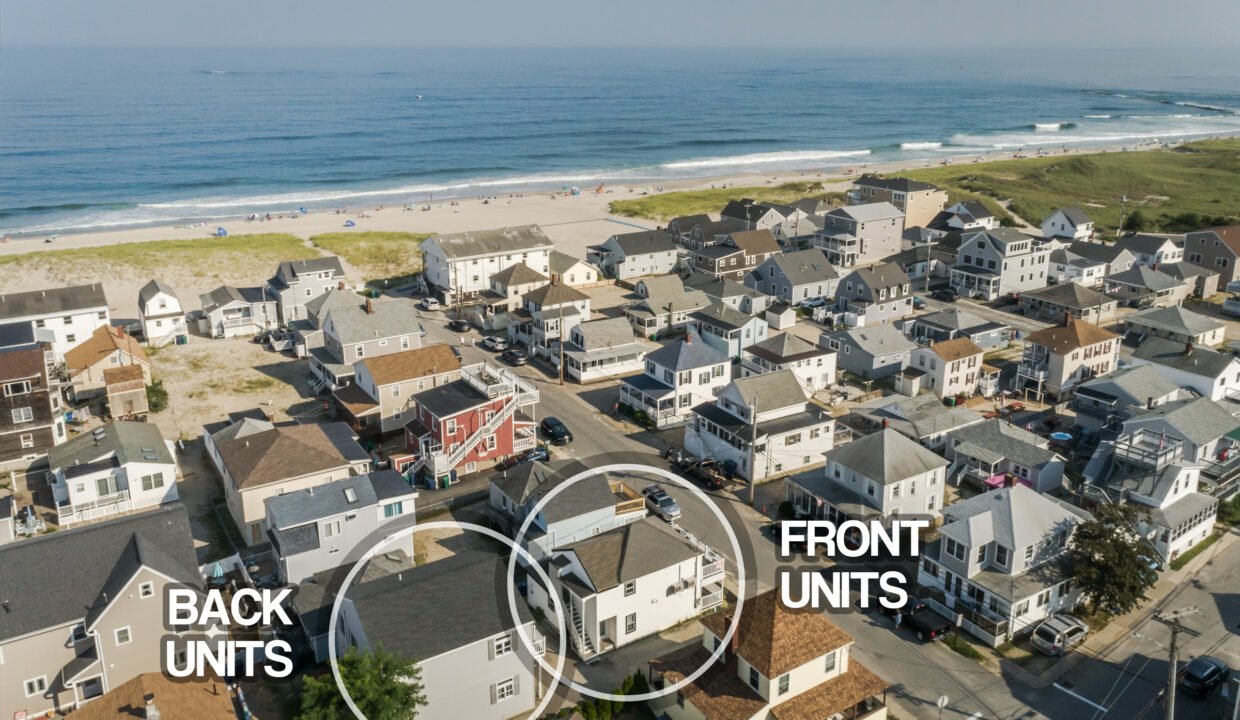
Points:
(942, 703)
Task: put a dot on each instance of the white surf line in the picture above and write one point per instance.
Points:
(1083, 699)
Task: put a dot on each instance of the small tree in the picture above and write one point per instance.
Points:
(383, 686)
(1135, 222)
(156, 396)
(1110, 563)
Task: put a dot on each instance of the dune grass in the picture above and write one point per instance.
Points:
(376, 254)
(1186, 188)
(201, 257)
(665, 206)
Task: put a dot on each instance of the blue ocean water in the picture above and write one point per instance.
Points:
(104, 138)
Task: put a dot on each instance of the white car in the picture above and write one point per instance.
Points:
(495, 343)
(812, 302)
(430, 303)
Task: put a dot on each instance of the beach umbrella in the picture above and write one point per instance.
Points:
(350, 223)
(218, 572)
(221, 232)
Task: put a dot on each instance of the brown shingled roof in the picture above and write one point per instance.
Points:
(775, 639)
(102, 343)
(718, 693)
(755, 242)
(840, 693)
(193, 699)
(284, 452)
(1073, 335)
(952, 350)
(410, 364)
(124, 373)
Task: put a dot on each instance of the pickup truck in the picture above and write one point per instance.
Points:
(926, 624)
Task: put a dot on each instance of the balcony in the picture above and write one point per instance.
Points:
(712, 596)
(628, 500)
(496, 382)
(712, 568)
(104, 506)
(1149, 449)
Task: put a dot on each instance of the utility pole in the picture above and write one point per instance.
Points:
(560, 330)
(753, 449)
(1119, 232)
(1172, 620)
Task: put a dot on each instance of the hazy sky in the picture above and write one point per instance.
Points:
(948, 24)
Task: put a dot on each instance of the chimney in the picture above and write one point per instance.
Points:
(370, 306)
(340, 285)
(1067, 318)
(886, 423)
(1149, 403)
(150, 712)
(1188, 348)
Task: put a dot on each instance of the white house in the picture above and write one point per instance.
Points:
(1151, 250)
(635, 254)
(298, 282)
(814, 366)
(1000, 562)
(1070, 223)
(966, 216)
(875, 476)
(63, 316)
(999, 261)
(996, 453)
(629, 583)
(160, 313)
(729, 330)
(761, 425)
(568, 270)
(602, 349)
(1177, 325)
(952, 367)
(676, 378)
(116, 468)
(782, 664)
(459, 266)
(1212, 374)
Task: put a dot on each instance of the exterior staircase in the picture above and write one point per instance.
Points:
(581, 641)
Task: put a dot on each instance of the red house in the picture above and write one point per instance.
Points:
(468, 424)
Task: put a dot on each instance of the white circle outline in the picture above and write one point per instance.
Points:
(557, 673)
(740, 578)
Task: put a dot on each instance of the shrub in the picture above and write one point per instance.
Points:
(157, 396)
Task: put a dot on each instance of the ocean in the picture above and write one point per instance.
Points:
(106, 138)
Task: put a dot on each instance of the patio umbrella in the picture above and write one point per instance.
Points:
(218, 572)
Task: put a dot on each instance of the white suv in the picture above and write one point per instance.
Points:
(1058, 634)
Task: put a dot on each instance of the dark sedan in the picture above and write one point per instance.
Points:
(1203, 675)
(512, 356)
(556, 431)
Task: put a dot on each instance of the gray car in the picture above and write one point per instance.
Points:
(1058, 634)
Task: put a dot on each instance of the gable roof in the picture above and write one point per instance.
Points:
(410, 364)
(519, 274)
(264, 456)
(353, 324)
(689, 353)
(1175, 319)
(959, 320)
(868, 212)
(1199, 419)
(1015, 517)
(771, 391)
(755, 242)
(775, 639)
(606, 332)
(995, 440)
(555, 294)
(630, 552)
(1132, 385)
(153, 288)
(563, 262)
(359, 491)
(1097, 251)
(104, 341)
(975, 209)
(199, 698)
(894, 184)
(52, 301)
(491, 242)
(952, 350)
(1146, 277)
(878, 340)
(722, 315)
(1228, 235)
(74, 568)
(1073, 335)
(1070, 294)
(1181, 356)
(1143, 243)
(440, 606)
(880, 275)
(293, 268)
(121, 441)
(746, 209)
(886, 457)
(644, 242)
(528, 482)
(1073, 215)
(805, 266)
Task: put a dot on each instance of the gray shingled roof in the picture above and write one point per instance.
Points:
(1015, 517)
(307, 506)
(722, 316)
(519, 274)
(439, 606)
(895, 184)
(785, 347)
(491, 242)
(388, 318)
(1169, 353)
(293, 268)
(886, 457)
(644, 242)
(554, 295)
(1146, 244)
(1146, 277)
(62, 577)
(773, 390)
(687, 354)
(562, 262)
(153, 288)
(959, 320)
(1098, 251)
(1131, 386)
(802, 267)
(1200, 420)
(533, 480)
(52, 301)
(996, 440)
(1076, 216)
(598, 334)
(1071, 295)
(630, 552)
(124, 441)
(1175, 319)
(878, 340)
(868, 212)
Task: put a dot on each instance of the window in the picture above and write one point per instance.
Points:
(27, 440)
(506, 688)
(503, 645)
(393, 509)
(68, 320)
(1028, 553)
(150, 482)
(71, 338)
(360, 351)
(830, 665)
(79, 633)
(16, 388)
(22, 415)
(123, 635)
(1001, 555)
(955, 549)
(783, 683)
(754, 682)
(309, 292)
(146, 589)
(331, 529)
(1021, 609)
(630, 623)
(981, 554)
(792, 439)
(36, 686)
(630, 588)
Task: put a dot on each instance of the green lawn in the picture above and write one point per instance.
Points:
(202, 256)
(376, 254)
(1194, 186)
(665, 206)
(1195, 550)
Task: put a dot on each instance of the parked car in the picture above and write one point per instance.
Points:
(918, 303)
(945, 295)
(513, 356)
(812, 302)
(537, 454)
(556, 431)
(912, 607)
(458, 326)
(496, 343)
(429, 303)
(1058, 634)
(707, 473)
(776, 529)
(1203, 675)
(661, 504)
(926, 624)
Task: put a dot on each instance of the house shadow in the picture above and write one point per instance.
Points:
(292, 372)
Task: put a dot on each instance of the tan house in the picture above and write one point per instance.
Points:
(570, 271)
(378, 398)
(780, 665)
(1057, 359)
(257, 460)
(83, 608)
(920, 202)
(951, 367)
(150, 693)
(107, 347)
(126, 390)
